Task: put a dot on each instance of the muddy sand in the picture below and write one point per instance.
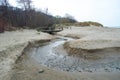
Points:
(17, 64)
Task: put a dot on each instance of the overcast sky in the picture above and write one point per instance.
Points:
(106, 12)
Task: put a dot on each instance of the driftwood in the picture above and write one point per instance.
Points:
(52, 30)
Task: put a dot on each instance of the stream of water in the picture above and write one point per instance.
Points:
(54, 56)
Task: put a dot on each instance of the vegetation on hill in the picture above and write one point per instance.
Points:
(88, 23)
(82, 24)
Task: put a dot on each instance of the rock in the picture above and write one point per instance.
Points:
(107, 70)
(67, 70)
(89, 70)
(118, 68)
(41, 71)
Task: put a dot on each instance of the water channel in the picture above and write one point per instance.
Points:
(53, 55)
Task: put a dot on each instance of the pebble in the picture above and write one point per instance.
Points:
(89, 70)
(41, 71)
(107, 70)
(118, 68)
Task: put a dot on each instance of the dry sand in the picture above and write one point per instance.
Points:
(96, 40)
(12, 45)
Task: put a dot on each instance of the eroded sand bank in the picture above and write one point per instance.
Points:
(92, 41)
(12, 45)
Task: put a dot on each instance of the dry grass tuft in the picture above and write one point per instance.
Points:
(89, 23)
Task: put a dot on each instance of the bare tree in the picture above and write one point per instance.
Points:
(4, 2)
(26, 4)
(3, 14)
(69, 16)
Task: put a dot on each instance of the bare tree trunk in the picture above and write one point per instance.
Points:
(3, 14)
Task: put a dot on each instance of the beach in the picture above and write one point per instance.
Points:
(17, 64)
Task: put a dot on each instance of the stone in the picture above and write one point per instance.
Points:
(41, 71)
(118, 68)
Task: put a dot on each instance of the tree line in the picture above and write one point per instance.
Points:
(29, 17)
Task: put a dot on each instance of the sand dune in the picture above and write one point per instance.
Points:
(93, 41)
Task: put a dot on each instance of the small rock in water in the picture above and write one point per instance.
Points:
(107, 70)
(89, 70)
(118, 68)
(67, 69)
(41, 71)
(65, 39)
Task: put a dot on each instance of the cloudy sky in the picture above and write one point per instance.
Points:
(106, 12)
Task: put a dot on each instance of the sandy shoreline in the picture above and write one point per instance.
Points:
(12, 44)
